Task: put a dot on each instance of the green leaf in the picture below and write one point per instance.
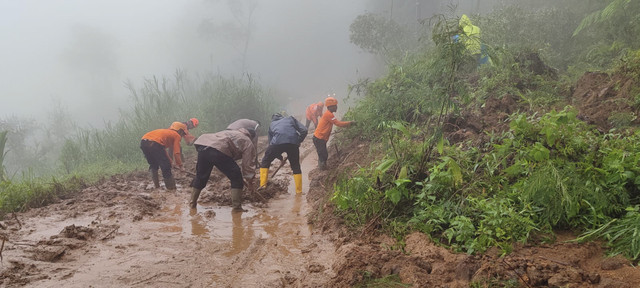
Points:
(385, 165)
(441, 144)
(403, 173)
(394, 195)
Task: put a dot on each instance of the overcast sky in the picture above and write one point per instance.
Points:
(79, 52)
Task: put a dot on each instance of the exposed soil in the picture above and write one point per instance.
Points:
(601, 97)
(124, 233)
(365, 253)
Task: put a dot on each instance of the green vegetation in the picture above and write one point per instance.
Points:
(539, 167)
(32, 193)
(89, 154)
(214, 100)
(3, 142)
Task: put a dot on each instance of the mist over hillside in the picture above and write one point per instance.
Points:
(79, 53)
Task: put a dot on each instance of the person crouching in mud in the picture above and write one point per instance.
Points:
(221, 150)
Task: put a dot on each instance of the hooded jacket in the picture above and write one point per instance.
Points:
(235, 144)
(286, 130)
(246, 124)
(471, 36)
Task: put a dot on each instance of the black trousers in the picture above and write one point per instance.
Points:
(208, 158)
(275, 151)
(156, 157)
(308, 123)
(321, 148)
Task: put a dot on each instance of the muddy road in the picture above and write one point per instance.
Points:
(124, 233)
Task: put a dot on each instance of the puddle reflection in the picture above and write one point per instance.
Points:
(198, 225)
(284, 219)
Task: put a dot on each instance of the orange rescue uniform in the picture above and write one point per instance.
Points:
(313, 112)
(325, 125)
(188, 138)
(167, 138)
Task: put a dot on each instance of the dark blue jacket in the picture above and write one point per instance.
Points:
(286, 130)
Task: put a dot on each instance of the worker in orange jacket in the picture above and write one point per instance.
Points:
(313, 112)
(153, 145)
(183, 129)
(323, 131)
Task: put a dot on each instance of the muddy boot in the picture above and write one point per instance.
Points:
(297, 178)
(194, 197)
(236, 200)
(170, 183)
(155, 178)
(322, 165)
(264, 176)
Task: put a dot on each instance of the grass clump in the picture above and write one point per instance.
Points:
(621, 234)
(20, 196)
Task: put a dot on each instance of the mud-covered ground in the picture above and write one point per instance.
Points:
(124, 233)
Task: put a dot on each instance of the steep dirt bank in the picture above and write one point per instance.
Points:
(365, 253)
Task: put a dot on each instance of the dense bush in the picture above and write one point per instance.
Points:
(548, 171)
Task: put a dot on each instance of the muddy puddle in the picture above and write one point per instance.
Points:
(123, 234)
(284, 218)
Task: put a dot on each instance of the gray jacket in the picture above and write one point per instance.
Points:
(246, 124)
(286, 130)
(235, 144)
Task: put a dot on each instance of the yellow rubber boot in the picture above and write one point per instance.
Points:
(298, 179)
(264, 174)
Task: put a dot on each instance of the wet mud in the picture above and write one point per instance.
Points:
(124, 233)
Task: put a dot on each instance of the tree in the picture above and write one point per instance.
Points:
(381, 36)
(615, 8)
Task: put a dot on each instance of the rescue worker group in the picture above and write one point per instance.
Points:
(239, 141)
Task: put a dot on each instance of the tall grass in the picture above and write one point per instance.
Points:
(3, 142)
(90, 153)
(36, 192)
(215, 100)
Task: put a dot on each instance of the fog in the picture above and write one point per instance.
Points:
(79, 53)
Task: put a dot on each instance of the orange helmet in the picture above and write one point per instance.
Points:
(330, 101)
(194, 121)
(178, 126)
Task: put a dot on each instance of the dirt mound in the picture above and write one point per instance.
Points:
(472, 124)
(531, 61)
(605, 101)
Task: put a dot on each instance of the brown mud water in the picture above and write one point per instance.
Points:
(127, 235)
